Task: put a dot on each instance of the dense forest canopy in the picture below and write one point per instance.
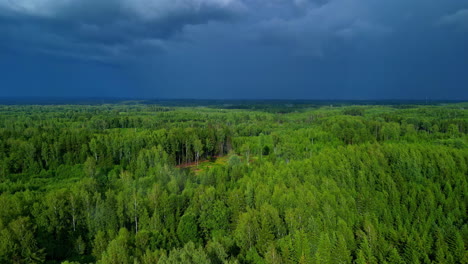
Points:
(233, 183)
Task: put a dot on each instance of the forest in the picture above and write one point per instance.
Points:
(141, 182)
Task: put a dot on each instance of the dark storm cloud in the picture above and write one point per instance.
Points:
(323, 24)
(106, 28)
(115, 28)
(356, 49)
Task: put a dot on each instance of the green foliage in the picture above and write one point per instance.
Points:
(142, 183)
(188, 254)
(118, 250)
(187, 229)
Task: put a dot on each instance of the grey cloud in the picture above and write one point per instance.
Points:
(129, 29)
(320, 24)
(220, 49)
(458, 19)
(105, 28)
(313, 27)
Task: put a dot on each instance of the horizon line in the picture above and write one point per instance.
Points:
(44, 98)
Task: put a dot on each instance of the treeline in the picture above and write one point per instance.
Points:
(333, 185)
(33, 150)
(44, 142)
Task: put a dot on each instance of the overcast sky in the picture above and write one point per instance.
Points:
(230, 49)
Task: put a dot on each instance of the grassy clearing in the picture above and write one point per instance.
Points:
(205, 164)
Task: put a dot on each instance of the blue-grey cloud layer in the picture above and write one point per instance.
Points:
(343, 49)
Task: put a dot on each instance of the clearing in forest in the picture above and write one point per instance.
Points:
(204, 164)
